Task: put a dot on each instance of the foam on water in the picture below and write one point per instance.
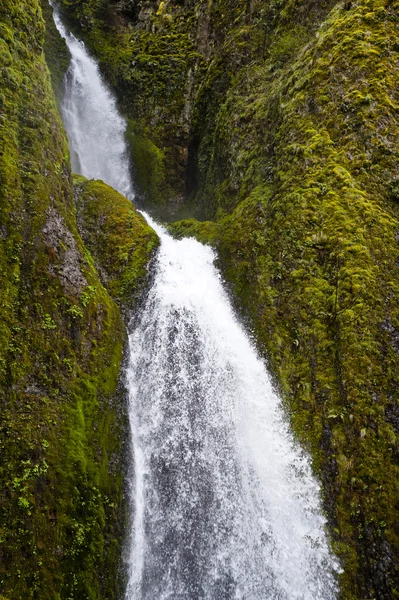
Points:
(228, 504)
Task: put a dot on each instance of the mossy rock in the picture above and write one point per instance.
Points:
(63, 425)
(206, 232)
(298, 175)
(148, 162)
(118, 237)
(56, 51)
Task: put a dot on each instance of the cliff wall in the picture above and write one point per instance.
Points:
(63, 434)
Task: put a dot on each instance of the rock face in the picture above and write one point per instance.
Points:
(62, 411)
(278, 122)
(61, 245)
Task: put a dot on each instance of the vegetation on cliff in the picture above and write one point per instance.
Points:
(117, 237)
(56, 52)
(62, 421)
(148, 54)
(278, 121)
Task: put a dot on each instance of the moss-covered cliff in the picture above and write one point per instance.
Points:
(277, 120)
(55, 50)
(313, 252)
(118, 238)
(62, 418)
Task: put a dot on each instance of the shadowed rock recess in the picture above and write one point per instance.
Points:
(268, 128)
(62, 419)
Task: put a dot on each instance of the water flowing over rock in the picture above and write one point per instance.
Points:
(224, 504)
(94, 127)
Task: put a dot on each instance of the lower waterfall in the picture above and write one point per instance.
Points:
(224, 503)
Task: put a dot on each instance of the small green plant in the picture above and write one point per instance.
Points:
(23, 503)
(87, 294)
(48, 323)
(75, 311)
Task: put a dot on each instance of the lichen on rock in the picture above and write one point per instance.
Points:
(61, 245)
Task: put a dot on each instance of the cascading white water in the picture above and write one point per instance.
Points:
(224, 503)
(227, 504)
(95, 129)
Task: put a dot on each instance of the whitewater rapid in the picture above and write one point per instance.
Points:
(224, 503)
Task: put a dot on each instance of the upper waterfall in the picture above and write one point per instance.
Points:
(224, 502)
(95, 129)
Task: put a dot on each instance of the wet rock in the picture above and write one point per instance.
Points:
(66, 258)
(394, 333)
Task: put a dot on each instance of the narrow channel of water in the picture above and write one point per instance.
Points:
(224, 502)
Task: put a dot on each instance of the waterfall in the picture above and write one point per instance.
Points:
(95, 129)
(227, 504)
(224, 502)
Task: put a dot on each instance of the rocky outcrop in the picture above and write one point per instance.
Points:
(119, 240)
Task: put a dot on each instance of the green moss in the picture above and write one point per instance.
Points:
(206, 232)
(118, 238)
(149, 167)
(298, 174)
(56, 51)
(284, 47)
(62, 421)
(151, 68)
